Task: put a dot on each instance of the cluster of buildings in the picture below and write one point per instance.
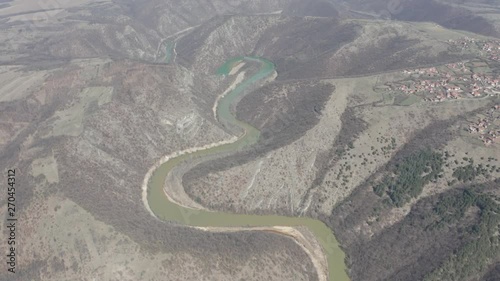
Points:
(488, 127)
(464, 42)
(462, 80)
(490, 47)
(452, 81)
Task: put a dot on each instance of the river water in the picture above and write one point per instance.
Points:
(166, 210)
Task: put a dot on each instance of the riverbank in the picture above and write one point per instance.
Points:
(301, 237)
(187, 204)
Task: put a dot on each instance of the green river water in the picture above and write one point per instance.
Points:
(169, 48)
(169, 211)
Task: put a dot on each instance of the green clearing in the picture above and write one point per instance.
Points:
(407, 101)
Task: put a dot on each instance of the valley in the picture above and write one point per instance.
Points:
(167, 206)
(252, 140)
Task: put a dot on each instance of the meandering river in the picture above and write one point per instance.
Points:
(167, 210)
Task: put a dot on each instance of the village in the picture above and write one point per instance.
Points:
(452, 81)
(471, 79)
(475, 79)
(488, 126)
(488, 48)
